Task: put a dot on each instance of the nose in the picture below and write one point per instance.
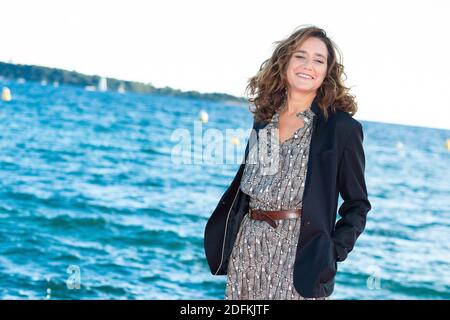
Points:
(307, 64)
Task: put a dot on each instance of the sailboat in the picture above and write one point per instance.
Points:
(121, 88)
(103, 84)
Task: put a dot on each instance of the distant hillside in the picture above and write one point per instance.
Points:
(60, 76)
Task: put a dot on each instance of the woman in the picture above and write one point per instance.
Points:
(274, 231)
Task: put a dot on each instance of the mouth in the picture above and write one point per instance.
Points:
(304, 76)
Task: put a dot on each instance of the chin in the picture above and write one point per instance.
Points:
(304, 89)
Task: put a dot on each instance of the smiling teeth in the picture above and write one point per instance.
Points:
(303, 76)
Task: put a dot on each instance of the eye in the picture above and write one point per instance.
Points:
(302, 57)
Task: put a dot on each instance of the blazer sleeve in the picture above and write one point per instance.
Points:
(352, 188)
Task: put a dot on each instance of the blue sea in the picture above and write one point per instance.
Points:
(93, 205)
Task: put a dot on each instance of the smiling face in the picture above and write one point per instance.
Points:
(307, 67)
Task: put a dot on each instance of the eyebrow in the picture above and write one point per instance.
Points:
(317, 54)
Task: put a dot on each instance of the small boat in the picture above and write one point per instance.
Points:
(90, 88)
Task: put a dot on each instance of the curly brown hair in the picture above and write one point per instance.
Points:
(269, 85)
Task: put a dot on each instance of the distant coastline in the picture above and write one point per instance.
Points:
(56, 76)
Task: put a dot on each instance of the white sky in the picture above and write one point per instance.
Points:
(396, 53)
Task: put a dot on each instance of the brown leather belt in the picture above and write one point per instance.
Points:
(271, 216)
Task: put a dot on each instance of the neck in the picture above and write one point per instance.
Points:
(298, 102)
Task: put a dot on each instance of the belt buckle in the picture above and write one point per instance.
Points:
(269, 220)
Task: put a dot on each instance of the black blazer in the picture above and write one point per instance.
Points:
(336, 165)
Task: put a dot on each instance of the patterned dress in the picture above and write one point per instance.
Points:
(262, 258)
